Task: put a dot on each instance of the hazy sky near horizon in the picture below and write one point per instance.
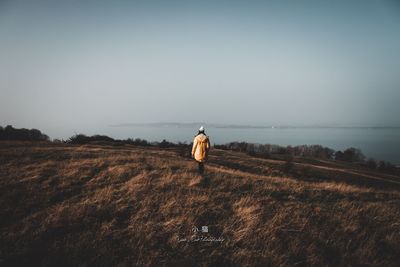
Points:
(80, 64)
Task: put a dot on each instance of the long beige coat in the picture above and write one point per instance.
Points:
(201, 145)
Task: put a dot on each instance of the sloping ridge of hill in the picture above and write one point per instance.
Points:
(99, 205)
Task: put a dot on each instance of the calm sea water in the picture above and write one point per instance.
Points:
(377, 143)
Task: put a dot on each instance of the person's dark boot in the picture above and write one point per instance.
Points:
(201, 167)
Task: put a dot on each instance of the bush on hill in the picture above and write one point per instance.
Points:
(11, 133)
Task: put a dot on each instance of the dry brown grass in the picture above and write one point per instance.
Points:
(124, 206)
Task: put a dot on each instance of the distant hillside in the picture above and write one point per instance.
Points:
(10, 133)
(100, 205)
(269, 151)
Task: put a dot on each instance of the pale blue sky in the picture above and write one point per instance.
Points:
(86, 64)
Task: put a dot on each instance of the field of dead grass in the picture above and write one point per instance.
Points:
(64, 205)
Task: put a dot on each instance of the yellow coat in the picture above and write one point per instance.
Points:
(201, 145)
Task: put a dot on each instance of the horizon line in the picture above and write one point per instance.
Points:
(254, 126)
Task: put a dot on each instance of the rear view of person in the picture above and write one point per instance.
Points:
(201, 146)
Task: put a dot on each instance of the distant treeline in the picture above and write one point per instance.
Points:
(10, 133)
(267, 150)
(82, 139)
(314, 151)
(352, 155)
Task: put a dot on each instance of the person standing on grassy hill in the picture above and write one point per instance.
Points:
(201, 146)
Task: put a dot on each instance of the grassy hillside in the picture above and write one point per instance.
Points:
(105, 206)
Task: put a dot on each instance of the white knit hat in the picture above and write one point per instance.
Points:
(201, 129)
